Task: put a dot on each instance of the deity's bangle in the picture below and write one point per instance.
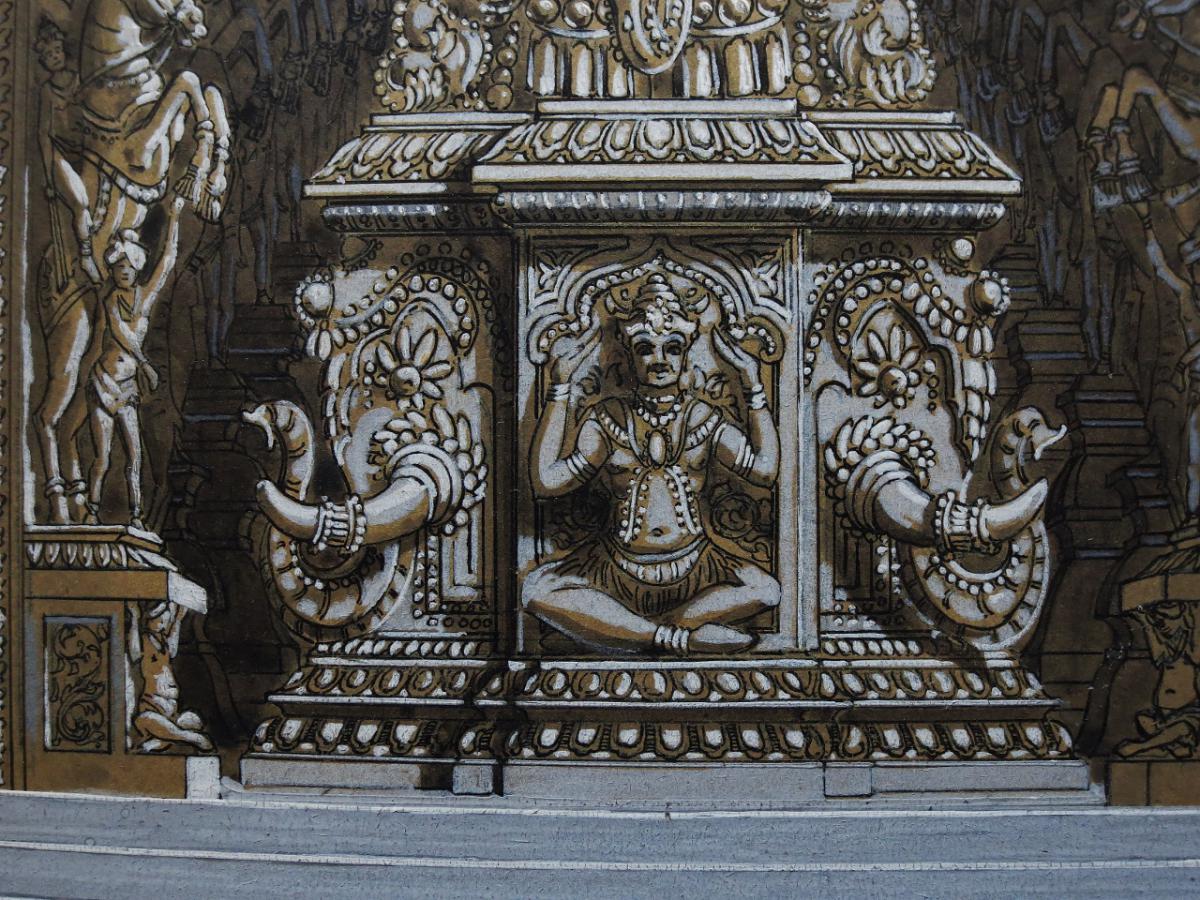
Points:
(960, 527)
(744, 461)
(559, 392)
(579, 467)
(673, 639)
(756, 397)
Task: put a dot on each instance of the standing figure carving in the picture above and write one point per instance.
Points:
(67, 275)
(121, 371)
(109, 151)
(655, 579)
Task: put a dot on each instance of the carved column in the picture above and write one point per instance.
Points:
(400, 615)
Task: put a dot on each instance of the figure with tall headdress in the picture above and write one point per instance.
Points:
(654, 579)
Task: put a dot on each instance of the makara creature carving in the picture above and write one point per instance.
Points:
(394, 350)
(885, 326)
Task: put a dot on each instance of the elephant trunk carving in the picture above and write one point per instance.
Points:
(338, 566)
(401, 509)
(975, 570)
(877, 469)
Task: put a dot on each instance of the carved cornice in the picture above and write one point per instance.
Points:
(665, 207)
(684, 740)
(850, 213)
(656, 132)
(573, 163)
(459, 215)
(750, 741)
(883, 146)
(410, 154)
(112, 548)
(815, 709)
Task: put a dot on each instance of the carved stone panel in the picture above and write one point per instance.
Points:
(78, 686)
(382, 518)
(658, 396)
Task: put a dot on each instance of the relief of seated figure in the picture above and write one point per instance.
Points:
(654, 579)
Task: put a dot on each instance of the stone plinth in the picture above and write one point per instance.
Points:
(102, 711)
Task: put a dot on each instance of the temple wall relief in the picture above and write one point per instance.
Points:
(610, 393)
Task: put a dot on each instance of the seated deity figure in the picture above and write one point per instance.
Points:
(654, 580)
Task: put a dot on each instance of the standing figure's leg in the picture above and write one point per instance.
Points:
(102, 437)
(66, 346)
(131, 437)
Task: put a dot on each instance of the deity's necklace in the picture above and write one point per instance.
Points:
(656, 443)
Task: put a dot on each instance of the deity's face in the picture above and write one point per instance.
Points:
(657, 358)
(123, 273)
(53, 57)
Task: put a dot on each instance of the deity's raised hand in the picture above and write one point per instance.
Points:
(189, 22)
(569, 352)
(745, 364)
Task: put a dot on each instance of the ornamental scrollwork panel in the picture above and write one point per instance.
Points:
(78, 684)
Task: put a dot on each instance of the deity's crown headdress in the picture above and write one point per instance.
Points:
(657, 309)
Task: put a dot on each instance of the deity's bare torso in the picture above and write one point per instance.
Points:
(656, 468)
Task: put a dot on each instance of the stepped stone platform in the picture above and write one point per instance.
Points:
(374, 846)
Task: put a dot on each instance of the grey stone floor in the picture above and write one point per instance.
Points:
(250, 845)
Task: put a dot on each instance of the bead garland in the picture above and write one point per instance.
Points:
(662, 419)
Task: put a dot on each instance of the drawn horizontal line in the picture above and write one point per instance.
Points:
(555, 865)
(262, 801)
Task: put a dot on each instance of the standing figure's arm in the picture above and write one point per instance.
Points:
(246, 20)
(754, 457)
(1015, 27)
(166, 261)
(294, 31)
(554, 472)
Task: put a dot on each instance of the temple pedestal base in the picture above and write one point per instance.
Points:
(908, 726)
(102, 711)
